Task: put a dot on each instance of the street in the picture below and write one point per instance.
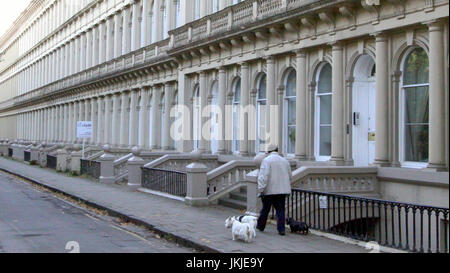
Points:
(35, 221)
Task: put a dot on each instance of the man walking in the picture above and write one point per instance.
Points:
(274, 184)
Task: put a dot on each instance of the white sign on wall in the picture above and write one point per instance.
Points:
(323, 200)
(84, 129)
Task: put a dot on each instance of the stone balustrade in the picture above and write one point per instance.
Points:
(227, 178)
(232, 17)
(132, 60)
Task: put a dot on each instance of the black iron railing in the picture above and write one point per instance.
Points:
(90, 168)
(171, 182)
(404, 226)
(51, 162)
(27, 156)
(10, 152)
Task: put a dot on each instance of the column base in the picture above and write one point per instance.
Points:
(382, 163)
(338, 161)
(436, 167)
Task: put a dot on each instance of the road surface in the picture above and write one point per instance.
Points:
(35, 221)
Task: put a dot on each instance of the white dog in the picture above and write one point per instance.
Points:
(243, 219)
(241, 231)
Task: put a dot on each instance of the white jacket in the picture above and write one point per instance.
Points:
(275, 176)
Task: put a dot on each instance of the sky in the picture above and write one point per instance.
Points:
(9, 12)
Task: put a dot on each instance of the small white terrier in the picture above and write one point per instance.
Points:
(243, 219)
(242, 231)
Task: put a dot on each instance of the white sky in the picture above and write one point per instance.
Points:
(9, 12)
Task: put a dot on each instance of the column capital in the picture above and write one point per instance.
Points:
(301, 53)
(269, 59)
(222, 69)
(336, 46)
(435, 23)
(244, 65)
(380, 36)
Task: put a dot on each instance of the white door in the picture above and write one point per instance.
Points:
(364, 122)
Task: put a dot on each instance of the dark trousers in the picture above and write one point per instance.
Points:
(278, 202)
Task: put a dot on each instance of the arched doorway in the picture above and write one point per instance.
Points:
(364, 111)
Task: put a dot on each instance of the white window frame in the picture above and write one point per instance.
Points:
(317, 124)
(196, 120)
(286, 126)
(402, 116)
(258, 114)
(235, 144)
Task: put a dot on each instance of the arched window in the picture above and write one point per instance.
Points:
(261, 103)
(214, 118)
(415, 107)
(236, 114)
(196, 117)
(290, 112)
(323, 113)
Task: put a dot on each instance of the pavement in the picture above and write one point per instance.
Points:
(201, 228)
(36, 221)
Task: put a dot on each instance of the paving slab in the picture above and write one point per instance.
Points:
(200, 226)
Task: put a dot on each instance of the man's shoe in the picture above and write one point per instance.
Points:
(282, 233)
(260, 229)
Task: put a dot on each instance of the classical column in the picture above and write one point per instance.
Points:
(100, 121)
(168, 93)
(126, 41)
(203, 8)
(108, 120)
(382, 101)
(203, 143)
(57, 123)
(89, 48)
(337, 131)
(124, 119)
(95, 45)
(300, 122)
(245, 101)
(144, 116)
(437, 97)
(70, 123)
(134, 116)
(50, 124)
(87, 107)
(94, 120)
(222, 101)
(145, 33)
(156, 120)
(115, 140)
(77, 53)
(65, 122)
(83, 51)
(271, 127)
(135, 37)
(158, 20)
(117, 34)
(81, 115)
(101, 42)
(109, 39)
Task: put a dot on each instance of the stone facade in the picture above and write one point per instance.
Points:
(351, 82)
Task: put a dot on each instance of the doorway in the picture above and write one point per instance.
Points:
(364, 112)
